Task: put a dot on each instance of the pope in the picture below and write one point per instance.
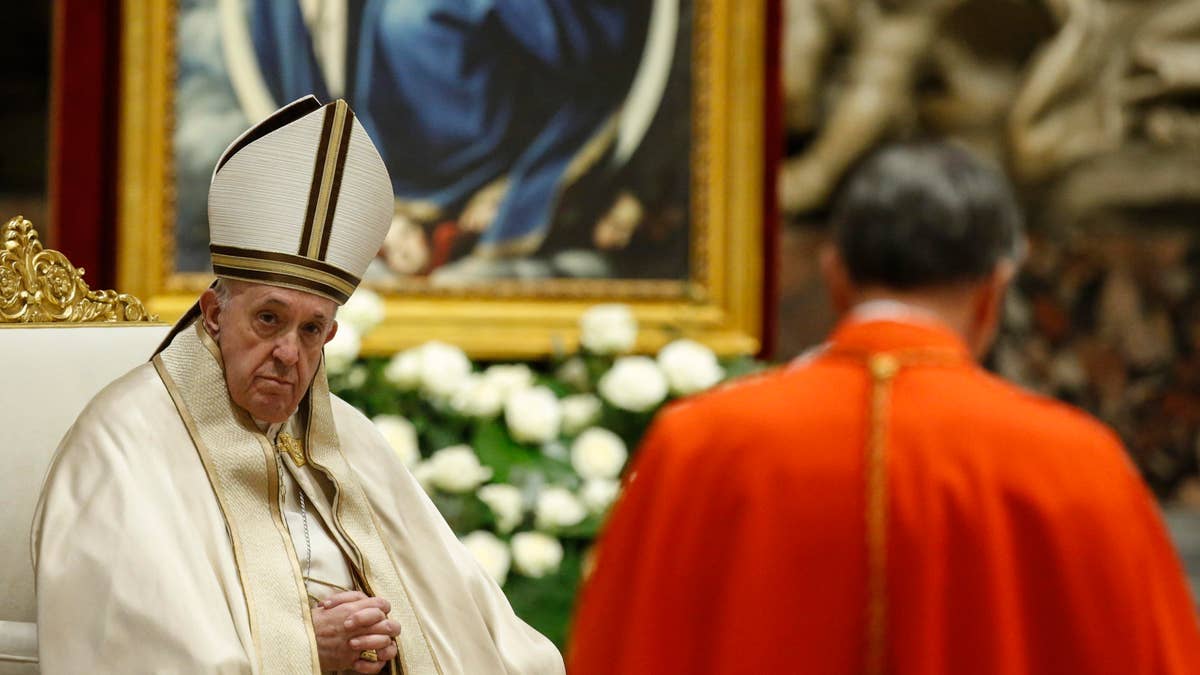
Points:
(218, 510)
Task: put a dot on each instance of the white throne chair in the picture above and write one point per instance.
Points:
(61, 343)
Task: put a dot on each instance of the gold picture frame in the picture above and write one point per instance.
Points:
(720, 303)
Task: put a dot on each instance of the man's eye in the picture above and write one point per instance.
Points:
(266, 317)
(312, 329)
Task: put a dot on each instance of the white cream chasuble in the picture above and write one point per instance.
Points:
(165, 540)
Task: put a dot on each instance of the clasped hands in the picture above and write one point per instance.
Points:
(346, 624)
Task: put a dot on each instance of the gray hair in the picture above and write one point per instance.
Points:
(224, 288)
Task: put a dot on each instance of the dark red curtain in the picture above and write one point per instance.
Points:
(772, 154)
(84, 104)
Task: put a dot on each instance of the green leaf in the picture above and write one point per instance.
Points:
(740, 366)
(597, 366)
(496, 449)
(464, 513)
(439, 436)
(585, 530)
(546, 603)
(561, 389)
(630, 426)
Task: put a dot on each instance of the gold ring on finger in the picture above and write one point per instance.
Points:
(369, 655)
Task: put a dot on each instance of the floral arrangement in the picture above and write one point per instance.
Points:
(523, 460)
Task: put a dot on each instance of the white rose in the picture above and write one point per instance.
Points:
(536, 554)
(402, 436)
(557, 507)
(599, 493)
(404, 370)
(364, 311)
(341, 351)
(476, 397)
(579, 412)
(506, 503)
(443, 369)
(598, 453)
(509, 379)
(456, 469)
(608, 329)
(491, 553)
(689, 366)
(533, 415)
(423, 472)
(634, 383)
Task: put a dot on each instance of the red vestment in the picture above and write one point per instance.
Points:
(1018, 536)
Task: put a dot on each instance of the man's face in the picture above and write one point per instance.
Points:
(271, 340)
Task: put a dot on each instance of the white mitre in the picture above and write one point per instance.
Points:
(301, 200)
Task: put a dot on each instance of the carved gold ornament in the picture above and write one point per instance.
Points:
(286, 443)
(39, 285)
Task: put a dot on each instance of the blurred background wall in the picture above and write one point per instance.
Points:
(1093, 107)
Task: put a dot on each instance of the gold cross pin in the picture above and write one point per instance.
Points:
(292, 446)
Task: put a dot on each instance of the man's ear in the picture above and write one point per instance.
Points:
(837, 279)
(332, 331)
(992, 294)
(988, 305)
(210, 311)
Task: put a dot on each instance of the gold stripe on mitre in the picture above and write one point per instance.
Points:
(283, 269)
(330, 162)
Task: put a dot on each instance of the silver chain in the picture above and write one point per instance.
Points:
(304, 519)
(307, 543)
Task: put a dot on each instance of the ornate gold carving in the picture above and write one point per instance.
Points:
(39, 285)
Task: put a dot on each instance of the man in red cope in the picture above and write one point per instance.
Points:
(883, 504)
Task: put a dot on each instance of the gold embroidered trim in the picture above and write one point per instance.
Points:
(276, 604)
(325, 279)
(883, 369)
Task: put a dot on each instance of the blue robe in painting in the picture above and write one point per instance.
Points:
(457, 93)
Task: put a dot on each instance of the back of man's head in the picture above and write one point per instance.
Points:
(924, 214)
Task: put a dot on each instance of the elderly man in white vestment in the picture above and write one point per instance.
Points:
(217, 510)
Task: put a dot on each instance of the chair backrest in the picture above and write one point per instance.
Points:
(49, 370)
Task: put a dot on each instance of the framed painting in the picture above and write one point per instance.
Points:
(545, 156)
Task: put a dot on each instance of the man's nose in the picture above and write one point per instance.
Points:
(287, 349)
